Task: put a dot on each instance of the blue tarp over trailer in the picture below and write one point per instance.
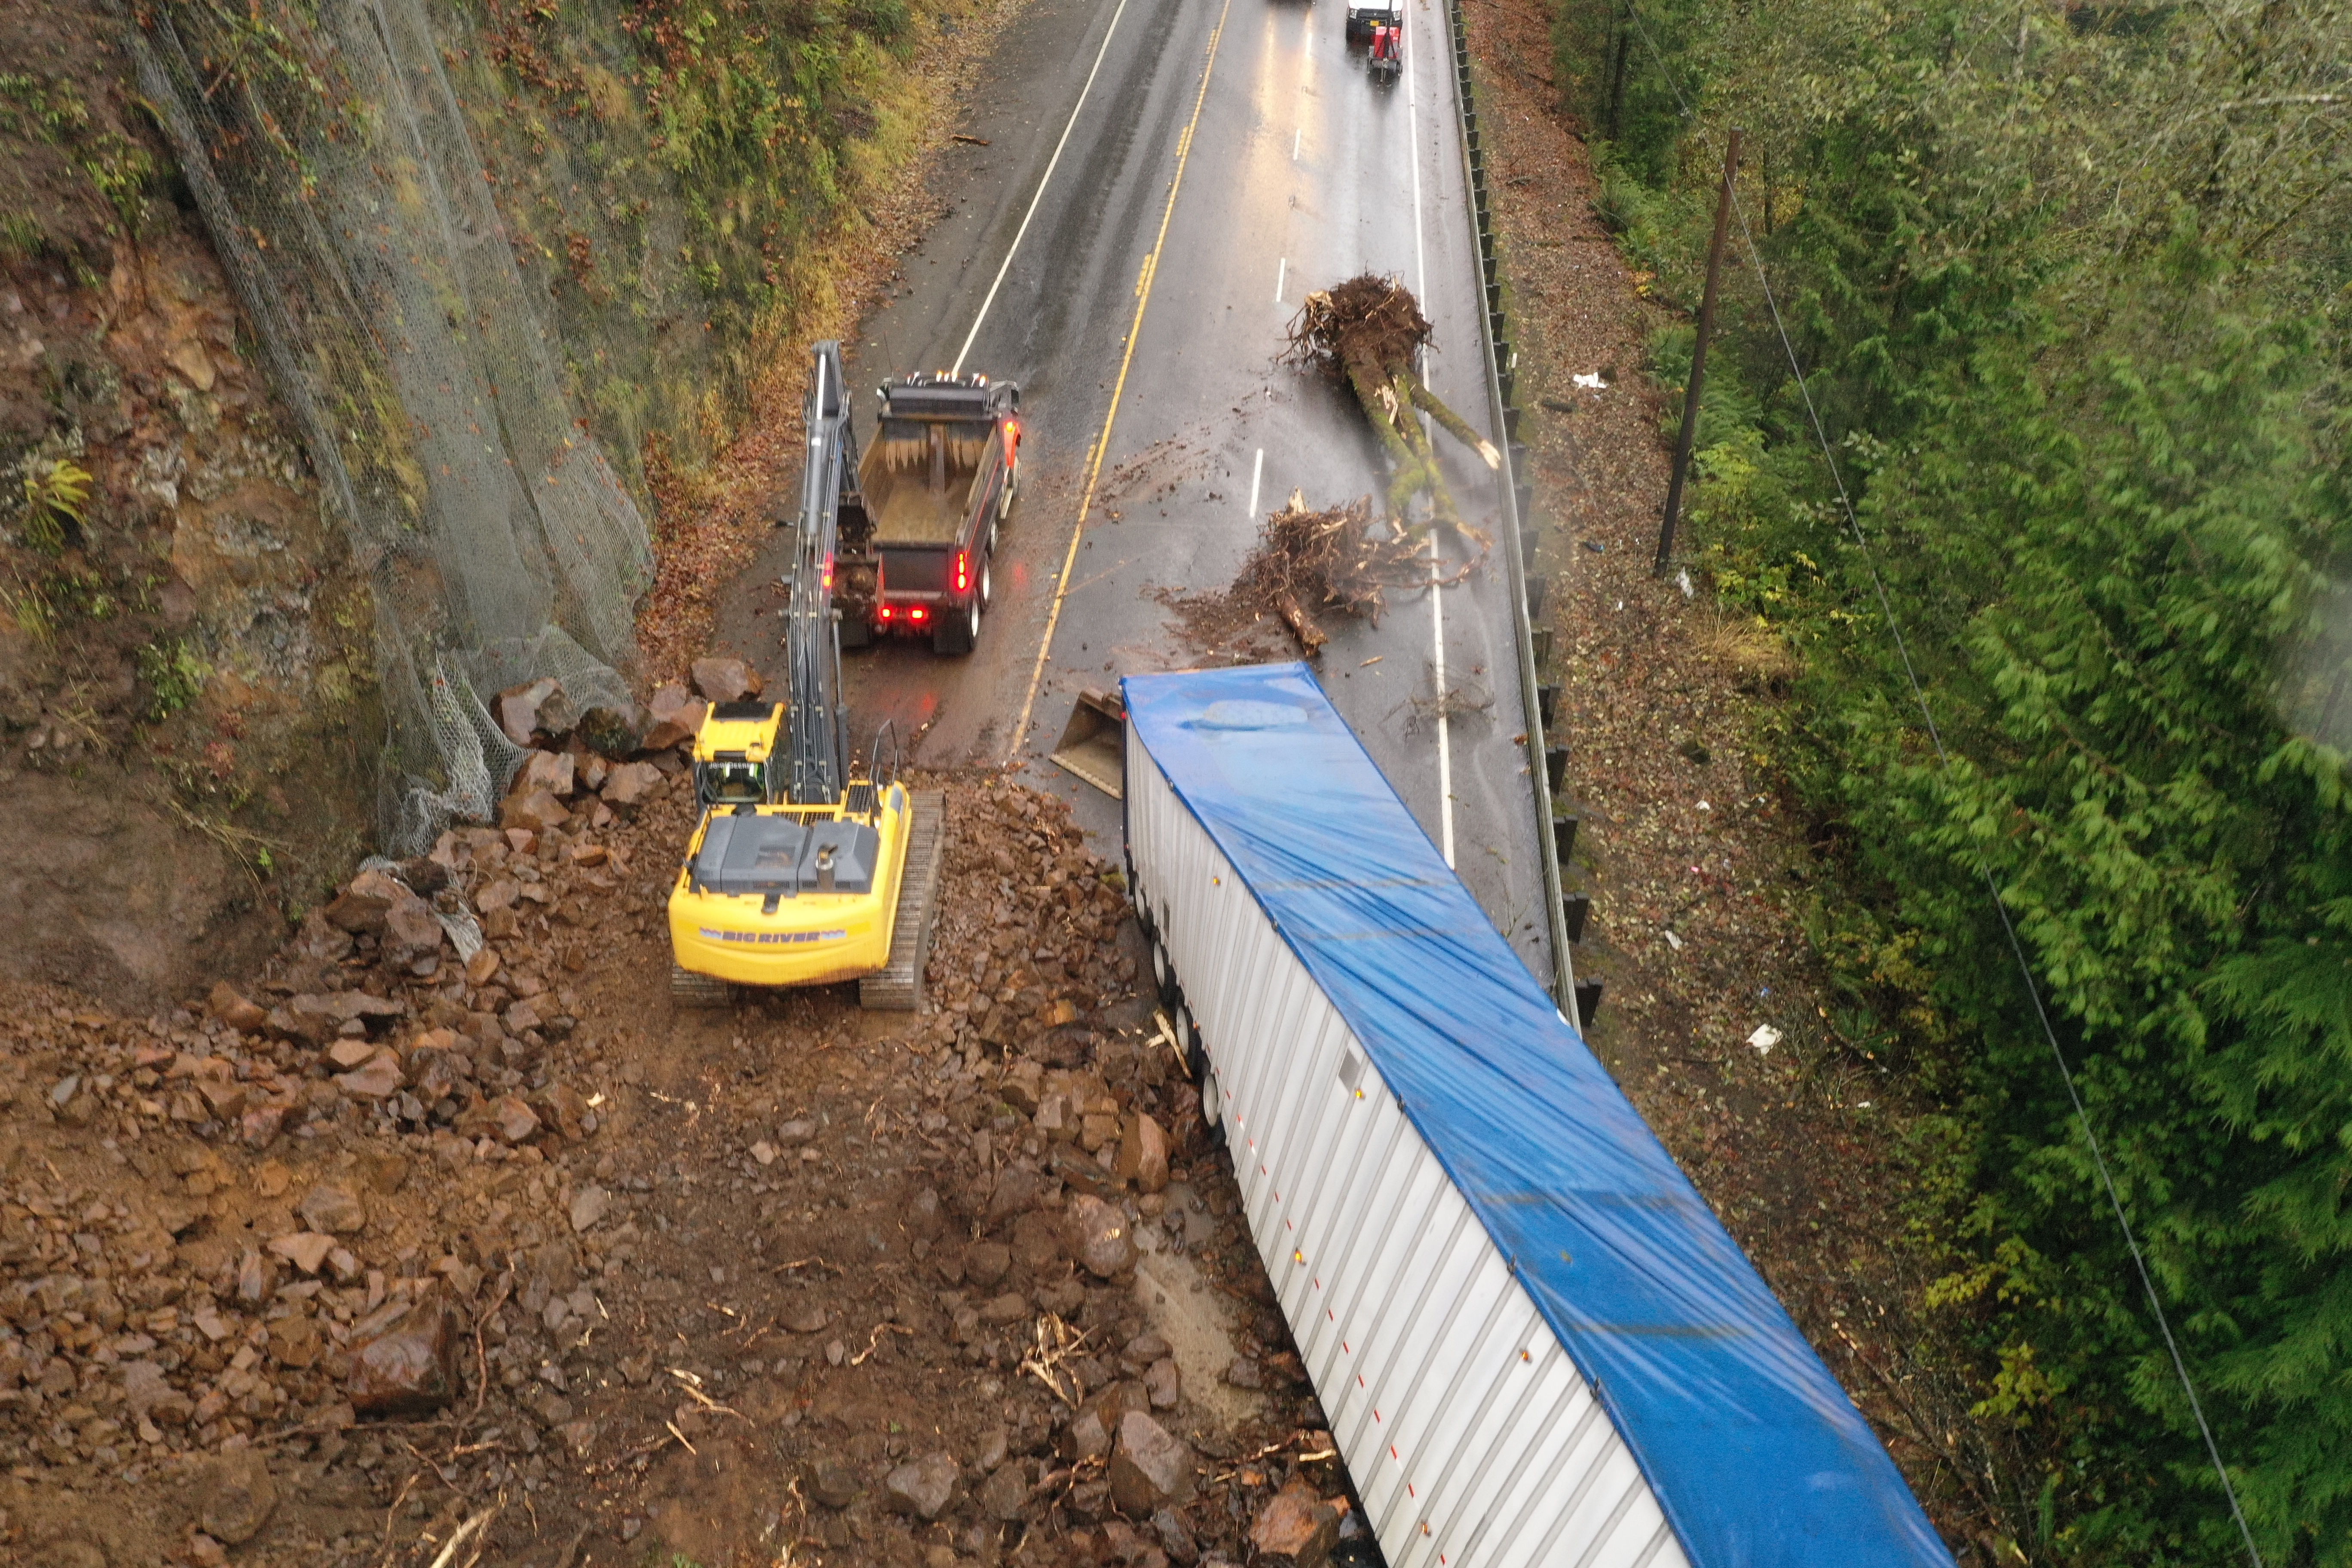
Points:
(1752, 1448)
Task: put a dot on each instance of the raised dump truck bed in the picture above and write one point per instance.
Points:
(1533, 1341)
(918, 538)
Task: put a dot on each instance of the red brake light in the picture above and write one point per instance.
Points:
(916, 614)
(1013, 431)
(883, 614)
(828, 574)
(963, 570)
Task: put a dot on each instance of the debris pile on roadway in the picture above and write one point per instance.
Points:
(402, 1243)
(1368, 331)
(1308, 561)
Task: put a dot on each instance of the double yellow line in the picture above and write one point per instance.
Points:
(1143, 281)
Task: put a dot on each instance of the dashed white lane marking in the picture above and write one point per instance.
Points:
(1257, 472)
(1281, 274)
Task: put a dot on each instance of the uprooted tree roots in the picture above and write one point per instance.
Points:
(1339, 558)
(1367, 331)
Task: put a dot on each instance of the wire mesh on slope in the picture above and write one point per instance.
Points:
(331, 160)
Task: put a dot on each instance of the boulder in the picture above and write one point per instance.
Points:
(675, 718)
(333, 1208)
(1143, 1154)
(924, 1487)
(305, 1249)
(518, 707)
(411, 932)
(234, 1009)
(308, 1018)
(361, 907)
(410, 1369)
(1150, 1468)
(377, 1078)
(238, 1496)
(832, 1481)
(725, 680)
(553, 771)
(986, 1262)
(1296, 1528)
(533, 809)
(1004, 1496)
(614, 731)
(514, 1120)
(1099, 1232)
(590, 1205)
(630, 783)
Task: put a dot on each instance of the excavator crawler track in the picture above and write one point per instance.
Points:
(898, 987)
(688, 989)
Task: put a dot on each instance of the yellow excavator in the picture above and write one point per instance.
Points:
(803, 871)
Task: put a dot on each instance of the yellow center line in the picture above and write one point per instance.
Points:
(1102, 445)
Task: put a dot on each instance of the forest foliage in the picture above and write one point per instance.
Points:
(2071, 286)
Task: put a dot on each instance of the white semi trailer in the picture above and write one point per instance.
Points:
(1535, 1343)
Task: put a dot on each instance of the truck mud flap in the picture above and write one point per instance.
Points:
(898, 987)
(1094, 743)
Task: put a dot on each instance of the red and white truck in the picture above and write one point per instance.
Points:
(917, 538)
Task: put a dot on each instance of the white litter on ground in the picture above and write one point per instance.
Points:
(1765, 1038)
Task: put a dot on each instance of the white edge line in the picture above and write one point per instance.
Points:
(1436, 593)
(1051, 164)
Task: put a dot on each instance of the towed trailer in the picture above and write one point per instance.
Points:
(1533, 1341)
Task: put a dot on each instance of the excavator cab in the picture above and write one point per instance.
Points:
(732, 755)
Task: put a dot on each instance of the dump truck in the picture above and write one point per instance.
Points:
(917, 532)
(805, 868)
(1532, 1341)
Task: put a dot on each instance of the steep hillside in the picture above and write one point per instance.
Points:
(274, 422)
(186, 674)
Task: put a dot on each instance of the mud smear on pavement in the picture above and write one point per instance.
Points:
(392, 1251)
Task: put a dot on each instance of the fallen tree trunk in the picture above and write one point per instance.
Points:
(1368, 331)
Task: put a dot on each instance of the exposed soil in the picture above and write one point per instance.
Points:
(1694, 864)
(786, 1283)
(189, 633)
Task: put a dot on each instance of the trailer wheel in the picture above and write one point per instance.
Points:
(987, 587)
(1212, 1114)
(856, 631)
(1163, 977)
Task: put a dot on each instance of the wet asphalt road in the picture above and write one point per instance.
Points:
(1295, 171)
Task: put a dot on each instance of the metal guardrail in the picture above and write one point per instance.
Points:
(1520, 530)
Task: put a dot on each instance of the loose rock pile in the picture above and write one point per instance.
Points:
(412, 1241)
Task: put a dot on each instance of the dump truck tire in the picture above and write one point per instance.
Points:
(960, 634)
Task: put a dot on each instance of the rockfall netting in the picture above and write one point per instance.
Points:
(345, 194)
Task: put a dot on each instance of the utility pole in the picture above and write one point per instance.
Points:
(1698, 356)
